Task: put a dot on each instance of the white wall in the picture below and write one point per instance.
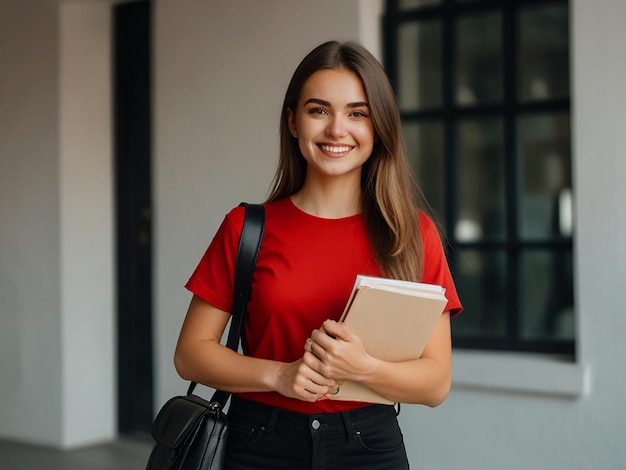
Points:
(30, 328)
(56, 264)
(86, 216)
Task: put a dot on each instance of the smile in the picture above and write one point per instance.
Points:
(336, 149)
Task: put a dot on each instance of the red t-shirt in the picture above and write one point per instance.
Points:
(304, 274)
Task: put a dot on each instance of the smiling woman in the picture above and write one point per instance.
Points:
(343, 202)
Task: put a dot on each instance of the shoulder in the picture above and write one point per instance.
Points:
(426, 222)
(428, 228)
(234, 218)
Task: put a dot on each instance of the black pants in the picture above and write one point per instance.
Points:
(266, 437)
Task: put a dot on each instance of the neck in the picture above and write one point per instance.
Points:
(330, 200)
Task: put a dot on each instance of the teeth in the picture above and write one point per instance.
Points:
(339, 149)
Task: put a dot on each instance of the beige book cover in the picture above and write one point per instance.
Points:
(394, 320)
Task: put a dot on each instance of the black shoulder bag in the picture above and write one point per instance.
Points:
(190, 432)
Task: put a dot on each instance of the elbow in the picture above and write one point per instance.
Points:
(439, 394)
(180, 364)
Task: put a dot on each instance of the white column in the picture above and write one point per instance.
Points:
(86, 224)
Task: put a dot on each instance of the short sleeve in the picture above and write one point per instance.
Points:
(213, 278)
(436, 269)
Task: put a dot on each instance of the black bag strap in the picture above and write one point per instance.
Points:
(248, 251)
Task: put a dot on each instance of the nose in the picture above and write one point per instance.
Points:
(336, 127)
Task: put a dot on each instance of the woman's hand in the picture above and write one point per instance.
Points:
(339, 353)
(299, 380)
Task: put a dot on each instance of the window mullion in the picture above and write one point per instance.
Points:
(513, 167)
(450, 121)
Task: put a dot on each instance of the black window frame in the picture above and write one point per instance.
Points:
(509, 111)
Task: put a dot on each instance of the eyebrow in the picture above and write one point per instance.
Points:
(356, 104)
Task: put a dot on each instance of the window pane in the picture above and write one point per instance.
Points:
(544, 52)
(481, 181)
(408, 4)
(479, 279)
(547, 198)
(479, 59)
(419, 62)
(424, 143)
(547, 295)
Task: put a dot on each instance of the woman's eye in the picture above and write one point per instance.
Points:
(318, 111)
(358, 114)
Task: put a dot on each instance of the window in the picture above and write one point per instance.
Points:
(483, 88)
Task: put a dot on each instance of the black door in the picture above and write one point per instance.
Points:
(132, 119)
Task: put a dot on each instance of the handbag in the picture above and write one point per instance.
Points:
(191, 432)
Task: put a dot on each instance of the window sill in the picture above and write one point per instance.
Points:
(517, 373)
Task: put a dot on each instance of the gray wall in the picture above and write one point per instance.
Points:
(220, 71)
(56, 265)
(30, 333)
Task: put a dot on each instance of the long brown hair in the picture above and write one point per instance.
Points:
(390, 197)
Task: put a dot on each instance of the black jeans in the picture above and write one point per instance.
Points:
(266, 437)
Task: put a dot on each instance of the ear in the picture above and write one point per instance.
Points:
(291, 123)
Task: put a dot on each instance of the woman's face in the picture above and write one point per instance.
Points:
(333, 124)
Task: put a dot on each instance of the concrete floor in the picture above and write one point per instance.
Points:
(123, 454)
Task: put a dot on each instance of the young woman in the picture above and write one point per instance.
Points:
(343, 203)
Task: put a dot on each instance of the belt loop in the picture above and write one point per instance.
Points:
(271, 422)
(347, 422)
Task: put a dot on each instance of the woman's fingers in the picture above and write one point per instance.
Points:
(316, 368)
(304, 382)
(338, 351)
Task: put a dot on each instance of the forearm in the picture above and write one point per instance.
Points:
(217, 366)
(201, 358)
(423, 381)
